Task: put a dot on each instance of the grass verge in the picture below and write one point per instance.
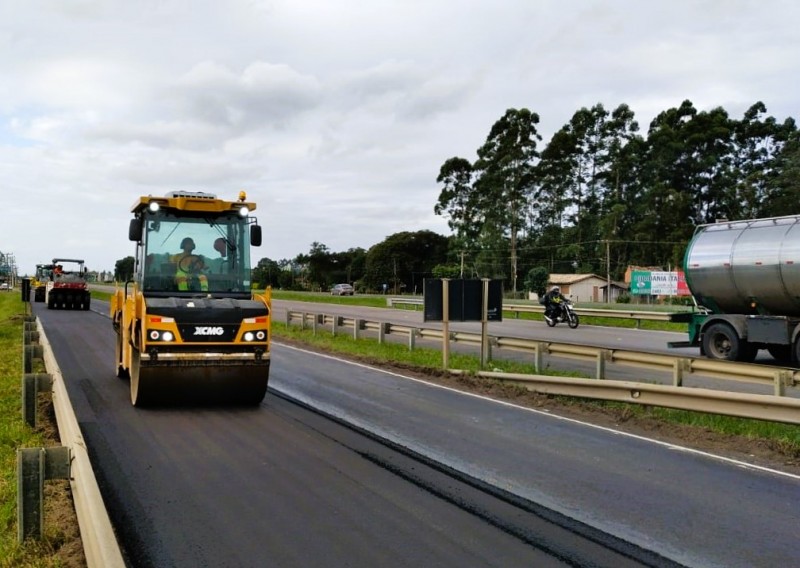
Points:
(61, 545)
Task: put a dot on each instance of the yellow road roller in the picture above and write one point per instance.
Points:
(190, 330)
(39, 281)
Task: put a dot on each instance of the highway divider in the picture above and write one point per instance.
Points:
(775, 407)
(517, 309)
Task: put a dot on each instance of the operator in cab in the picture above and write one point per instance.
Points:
(188, 266)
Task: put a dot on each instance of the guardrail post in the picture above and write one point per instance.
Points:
(412, 336)
(679, 367)
(382, 330)
(602, 356)
(29, 353)
(32, 385)
(783, 377)
(357, 323)
(34, 466)
(538, 356)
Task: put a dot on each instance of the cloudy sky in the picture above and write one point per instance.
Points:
(334, 115)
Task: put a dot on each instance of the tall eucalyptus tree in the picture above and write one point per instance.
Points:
(759, 144)
(457, 202)
(504, 174)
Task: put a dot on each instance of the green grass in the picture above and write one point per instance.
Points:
(783, 438)
(373, 301)
(420, 358)
(14, 434)
(106, 296)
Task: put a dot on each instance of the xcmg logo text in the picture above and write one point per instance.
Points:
(208, 331)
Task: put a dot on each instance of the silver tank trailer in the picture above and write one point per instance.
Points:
(738, 264)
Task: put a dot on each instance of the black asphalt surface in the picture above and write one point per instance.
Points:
(282, 486)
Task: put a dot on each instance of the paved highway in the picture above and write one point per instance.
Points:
(595, 336)
(278, 485)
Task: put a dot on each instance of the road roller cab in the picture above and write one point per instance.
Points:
(189, 328)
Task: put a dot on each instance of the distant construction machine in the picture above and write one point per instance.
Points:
(189, 327)
(67, 288)
(44, 273)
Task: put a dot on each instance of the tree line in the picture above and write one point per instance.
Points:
(598, 197)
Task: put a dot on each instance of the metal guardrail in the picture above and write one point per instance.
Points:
(517, 309)
(677, 396)
(756, 406)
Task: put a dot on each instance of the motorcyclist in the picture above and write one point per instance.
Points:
(552, 303)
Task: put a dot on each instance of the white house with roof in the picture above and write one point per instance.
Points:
(586, 287)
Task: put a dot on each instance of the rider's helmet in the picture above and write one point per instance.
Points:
(555, 289)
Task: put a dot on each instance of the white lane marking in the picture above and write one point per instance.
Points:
(668, 445)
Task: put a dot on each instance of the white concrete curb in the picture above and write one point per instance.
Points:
(99, 542)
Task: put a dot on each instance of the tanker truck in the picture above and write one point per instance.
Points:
(745, 279)
(189, 327)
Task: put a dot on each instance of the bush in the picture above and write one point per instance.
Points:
(624, 298)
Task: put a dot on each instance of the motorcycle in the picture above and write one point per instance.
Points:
(563, 312)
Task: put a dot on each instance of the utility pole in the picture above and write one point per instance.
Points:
(608, 271)
(394, 274)
(462, 264)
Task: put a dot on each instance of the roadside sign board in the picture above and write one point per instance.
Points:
(465, 300)
(652, 283)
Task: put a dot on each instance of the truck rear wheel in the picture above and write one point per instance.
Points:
(720, 341)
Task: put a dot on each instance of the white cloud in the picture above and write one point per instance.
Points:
(334, 115)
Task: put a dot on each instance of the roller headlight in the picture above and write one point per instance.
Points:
(249, 336)
(261, 335)
(244, 211)
(154, 206)
(156, 335)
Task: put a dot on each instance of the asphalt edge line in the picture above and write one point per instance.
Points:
(99, 541)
